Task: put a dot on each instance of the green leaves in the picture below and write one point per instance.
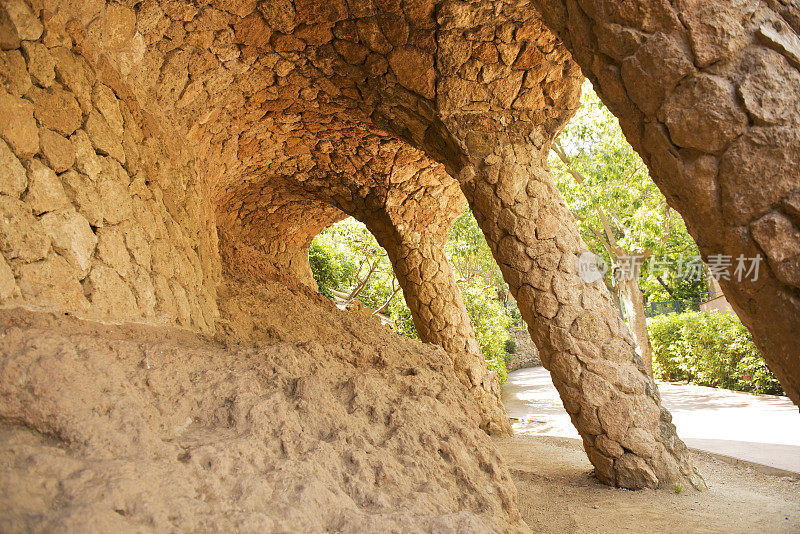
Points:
(709, 349)
(341, 257)
(616, 179)
(480, 280)
(469, 254)
(491, 322)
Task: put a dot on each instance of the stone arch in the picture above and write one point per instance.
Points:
(134, 134)
(408, 202)
(277, 223)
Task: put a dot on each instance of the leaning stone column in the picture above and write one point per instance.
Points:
(708, 93)
(602, 381)
(433, 297)
(440, 316)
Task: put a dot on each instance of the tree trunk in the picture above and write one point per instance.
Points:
(637, 320)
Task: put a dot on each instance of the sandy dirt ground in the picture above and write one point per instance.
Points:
(558, 494)
(297, 418)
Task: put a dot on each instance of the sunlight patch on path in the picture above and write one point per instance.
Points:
(759, 428)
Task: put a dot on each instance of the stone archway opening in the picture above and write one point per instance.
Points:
(266, 230)
(151, 123)
(353, 269)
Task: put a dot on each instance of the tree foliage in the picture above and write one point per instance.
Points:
(491, 322)
(706, 348)
(349, 264)
(617, 180)
(485, 293)
(470, 256)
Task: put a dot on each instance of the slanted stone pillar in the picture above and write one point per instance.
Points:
(439, 313)
(615, 406)
(433, 296)
(504, 132)
(708, 93)
(409, 203)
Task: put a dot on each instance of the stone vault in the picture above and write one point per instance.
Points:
(152, 148)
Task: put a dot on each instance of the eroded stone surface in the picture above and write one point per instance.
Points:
(155, 428)
(196, 139)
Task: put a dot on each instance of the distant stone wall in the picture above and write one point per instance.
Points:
(526, 355)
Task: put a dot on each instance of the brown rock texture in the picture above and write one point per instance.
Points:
(332, 422)
(526, 354)
(147, 148)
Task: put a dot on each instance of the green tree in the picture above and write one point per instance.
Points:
(491, 322)
(348, 264)
(622, 215)
(485, 293)
(470, 256)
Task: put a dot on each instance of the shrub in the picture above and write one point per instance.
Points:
(511, 345)
(490, 322)
(404, 322)
(326, 271)
(709, 349)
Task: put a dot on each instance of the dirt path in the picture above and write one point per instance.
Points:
(557, 494)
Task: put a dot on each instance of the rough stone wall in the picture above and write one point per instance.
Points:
(526, 354)
(274, 119)
(134, 132)
(225, 123)
(103, 210)
(709, 94)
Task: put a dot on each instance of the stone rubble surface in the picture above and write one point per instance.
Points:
(330, 423)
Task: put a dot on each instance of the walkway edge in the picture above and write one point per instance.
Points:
(732, 460)
(761, 468)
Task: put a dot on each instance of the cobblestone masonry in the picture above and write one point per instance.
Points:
(148, 147)
(526, 355)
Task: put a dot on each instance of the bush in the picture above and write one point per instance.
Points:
(490, 322)
(511, 346)
(404, 322)
(326, 271)
(709, 349)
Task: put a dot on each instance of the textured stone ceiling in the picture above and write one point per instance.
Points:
(152, 149)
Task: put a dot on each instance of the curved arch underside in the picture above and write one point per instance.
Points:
(183, 139)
